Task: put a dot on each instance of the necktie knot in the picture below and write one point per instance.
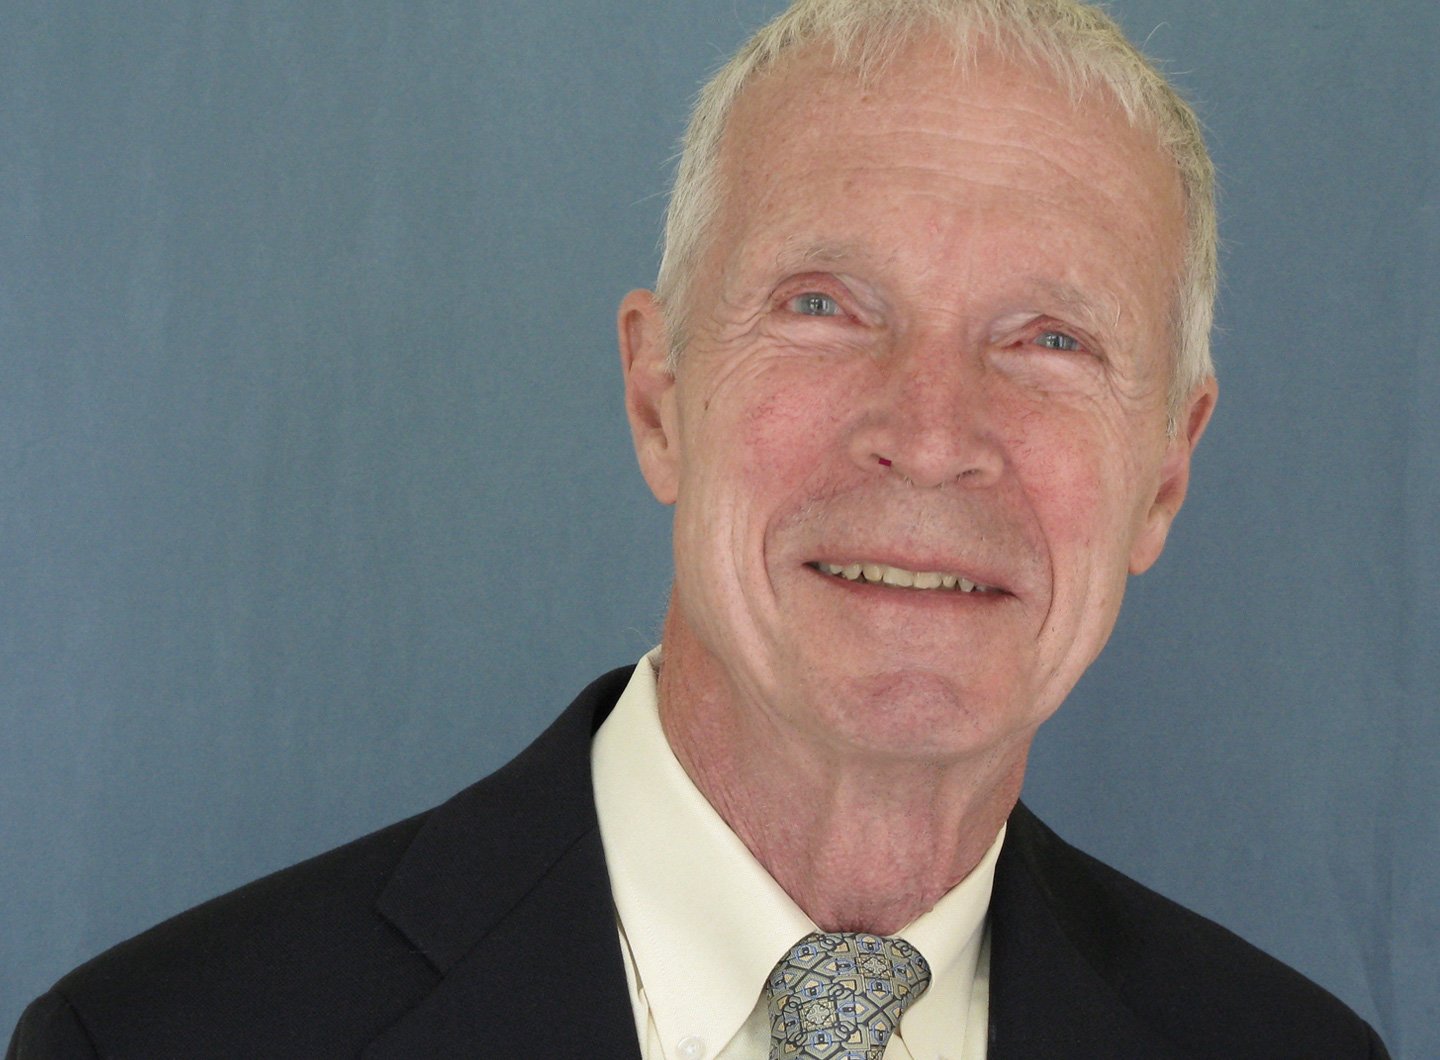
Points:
(841, 996)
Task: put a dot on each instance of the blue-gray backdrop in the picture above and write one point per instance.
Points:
(316, 501)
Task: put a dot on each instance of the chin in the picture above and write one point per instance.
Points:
(919, 715)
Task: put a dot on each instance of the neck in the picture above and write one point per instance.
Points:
(860, 840)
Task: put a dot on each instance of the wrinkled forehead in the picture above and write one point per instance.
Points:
(814, 111)
(921, 82)
(815, 100)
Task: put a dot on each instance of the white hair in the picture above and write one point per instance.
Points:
(1076, 40)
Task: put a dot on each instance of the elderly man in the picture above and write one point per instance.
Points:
(923, 377)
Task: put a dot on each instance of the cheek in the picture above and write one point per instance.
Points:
(1081, 475)
(774, 436)
(745, 461)
(767, 435)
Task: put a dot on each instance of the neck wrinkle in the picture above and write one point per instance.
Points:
(859, 846)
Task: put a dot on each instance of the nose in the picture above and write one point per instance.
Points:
(930, 418)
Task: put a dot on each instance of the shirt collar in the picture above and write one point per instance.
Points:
(704, 921)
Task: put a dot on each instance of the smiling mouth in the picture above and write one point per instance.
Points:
(900, 578)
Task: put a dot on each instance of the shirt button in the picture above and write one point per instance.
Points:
(691, 1048)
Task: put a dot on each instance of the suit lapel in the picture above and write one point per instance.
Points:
(500, 998)
(505, 892)
(1055, 951)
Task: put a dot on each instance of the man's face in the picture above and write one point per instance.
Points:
(930, 337)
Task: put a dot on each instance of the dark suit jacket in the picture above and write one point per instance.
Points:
(485, 928)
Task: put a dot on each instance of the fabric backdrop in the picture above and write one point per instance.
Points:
(316, 499)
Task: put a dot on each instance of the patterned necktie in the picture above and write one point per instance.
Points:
(840, 997)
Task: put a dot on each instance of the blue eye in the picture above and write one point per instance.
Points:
(1057, 340)
(813, 304)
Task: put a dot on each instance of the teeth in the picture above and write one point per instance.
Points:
(898, 576)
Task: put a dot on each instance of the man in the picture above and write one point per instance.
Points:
(922, 379)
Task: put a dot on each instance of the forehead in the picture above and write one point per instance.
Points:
(932, 158)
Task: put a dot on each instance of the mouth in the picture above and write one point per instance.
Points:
(900, 578)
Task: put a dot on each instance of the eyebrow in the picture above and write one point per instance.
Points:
(1102, 308)
(798, 252)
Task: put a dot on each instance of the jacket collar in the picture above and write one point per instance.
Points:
(504, 891)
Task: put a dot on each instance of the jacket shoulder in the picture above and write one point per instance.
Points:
(1190, 980)
(212, 980)
(318, 959)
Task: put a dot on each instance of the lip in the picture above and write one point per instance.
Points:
(899, 600)
(994, 584)
(943, 599)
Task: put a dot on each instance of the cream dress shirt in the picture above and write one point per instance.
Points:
(702, 923)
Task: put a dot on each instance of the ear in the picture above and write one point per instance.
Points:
(1174, 477)
(650, 392)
